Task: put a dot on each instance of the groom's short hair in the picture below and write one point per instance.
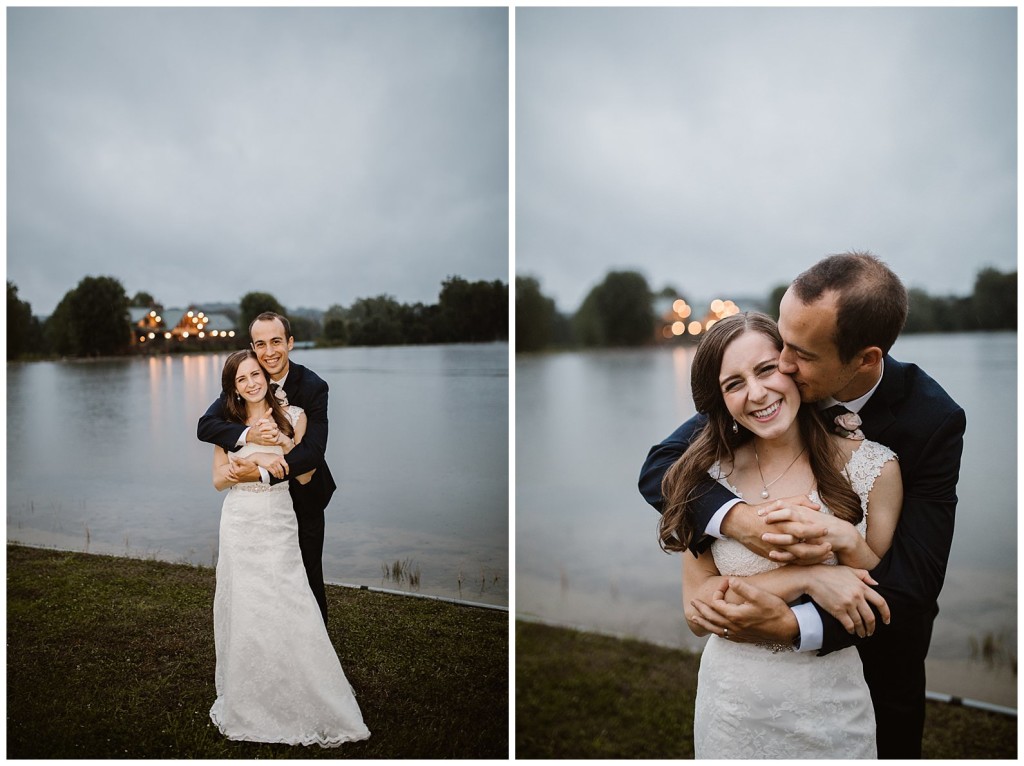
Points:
(270, 316)
(871, 301)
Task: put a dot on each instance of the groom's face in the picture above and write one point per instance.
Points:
(271, 346)
(809, 354)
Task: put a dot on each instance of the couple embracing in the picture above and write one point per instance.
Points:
(816, 491)
(278, 678)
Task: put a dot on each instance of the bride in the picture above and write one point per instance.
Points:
(278, 678)
(769, 701)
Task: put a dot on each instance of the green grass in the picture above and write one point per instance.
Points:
(581, 695)
(114, 658)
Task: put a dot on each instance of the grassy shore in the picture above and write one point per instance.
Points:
(114, 658)
(580, 695)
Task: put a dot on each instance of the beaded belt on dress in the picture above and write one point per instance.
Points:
(259, 486)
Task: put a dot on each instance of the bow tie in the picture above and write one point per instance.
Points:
(843, 422)
(278, 391)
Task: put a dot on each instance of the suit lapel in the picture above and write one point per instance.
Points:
(877, 415)
(291, 385)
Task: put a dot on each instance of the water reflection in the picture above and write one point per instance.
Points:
(105, 454)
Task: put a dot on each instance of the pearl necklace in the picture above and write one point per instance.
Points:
(764, 493)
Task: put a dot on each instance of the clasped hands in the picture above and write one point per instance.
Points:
(267, 434)
(798, 535)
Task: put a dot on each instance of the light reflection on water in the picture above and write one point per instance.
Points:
(104, 454)
(586, 550)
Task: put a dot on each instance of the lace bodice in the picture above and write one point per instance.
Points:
(863, 468)
(247, 449)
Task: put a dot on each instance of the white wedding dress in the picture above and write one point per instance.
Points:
(757, 701)
(278, 677)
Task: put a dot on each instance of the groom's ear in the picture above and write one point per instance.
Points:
(871, 357)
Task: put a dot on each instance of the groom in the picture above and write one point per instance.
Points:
(838, 320)
(271, 339)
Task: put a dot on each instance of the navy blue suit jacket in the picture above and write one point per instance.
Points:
(912, 415)
(305, 389)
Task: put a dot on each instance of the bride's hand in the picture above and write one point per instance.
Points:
(750, 614)
(267, 432)
(276, 465)
(800, 535)
(843, 592)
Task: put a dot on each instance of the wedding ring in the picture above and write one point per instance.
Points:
(726, 634)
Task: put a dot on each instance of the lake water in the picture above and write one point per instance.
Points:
(586, 549)
(103, 456)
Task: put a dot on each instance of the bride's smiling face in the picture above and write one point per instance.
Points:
(758, 396)
(251, 381)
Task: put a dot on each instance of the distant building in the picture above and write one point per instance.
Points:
(189, 325)
(146, 322)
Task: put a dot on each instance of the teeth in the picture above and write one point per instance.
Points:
(768, 410)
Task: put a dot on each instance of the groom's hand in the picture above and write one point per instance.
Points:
(798, 534)
(749, 613)
(745, 523)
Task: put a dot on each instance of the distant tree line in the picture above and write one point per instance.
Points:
(619, 311)
(92, 319)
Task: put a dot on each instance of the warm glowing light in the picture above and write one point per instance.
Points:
(678, 306)
(710, 324)
(191, 314)
(685, 312)
(231, 333)
(152, 335)
(678, 328)
(214, 333)
(195, 320)
(200, 313)
(717, 306)
(142, 339)
(152, 313)
(159, 319)
(167, 335)
(666, 332)
(694, 327)
(184, 335)
(202, 335)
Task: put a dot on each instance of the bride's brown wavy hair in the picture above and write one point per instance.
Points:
(687, 480)
(234, 405)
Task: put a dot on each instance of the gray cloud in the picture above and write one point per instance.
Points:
(725, 150)
(318, 154)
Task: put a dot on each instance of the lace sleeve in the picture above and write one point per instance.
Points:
(293, 414)
(865, 466)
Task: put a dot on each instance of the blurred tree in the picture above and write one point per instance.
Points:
(375, 322)
(775, 299)
(91, 319)
(304, 327)
(255, 303)
(535, 316)
(142, 298)
(995, 300)
(335, 327)
(20, 329)
(472, 311)
(617, 312)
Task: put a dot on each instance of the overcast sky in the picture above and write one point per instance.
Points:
(321, 155)
(725, 150)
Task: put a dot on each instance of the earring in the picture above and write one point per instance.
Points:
(735, 427)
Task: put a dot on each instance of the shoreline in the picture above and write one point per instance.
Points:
(179, 562)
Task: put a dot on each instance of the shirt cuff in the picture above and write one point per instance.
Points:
(264, 474)
(812, 632)
(241, 439)
(714, 527)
